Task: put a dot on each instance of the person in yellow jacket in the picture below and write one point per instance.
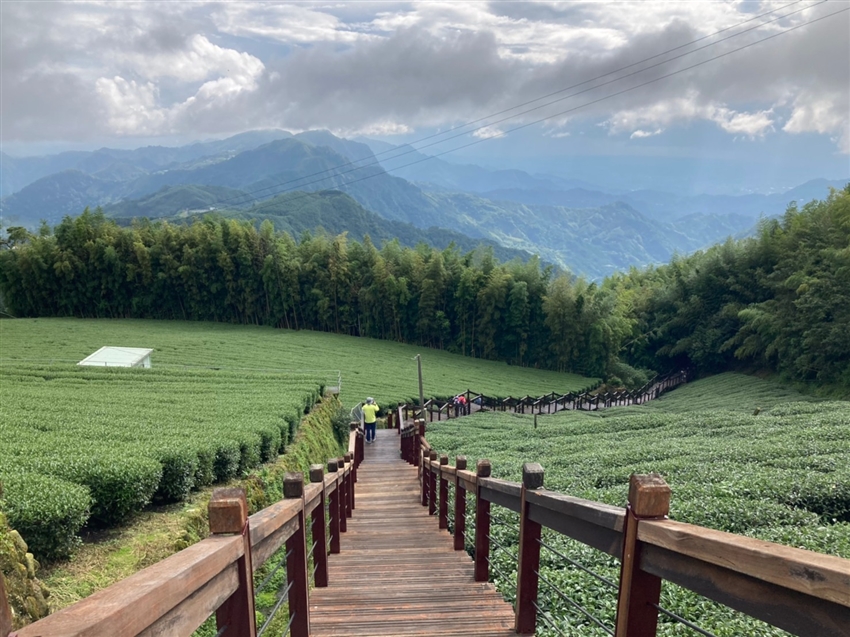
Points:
(370, 419)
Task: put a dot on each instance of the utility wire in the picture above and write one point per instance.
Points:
(375, 161)
(569, 110)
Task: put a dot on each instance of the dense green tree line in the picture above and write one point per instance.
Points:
(229, 270)
(779, 300)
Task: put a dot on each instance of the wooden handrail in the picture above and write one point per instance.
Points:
(803, 592)
(175, 596)
(188, 586)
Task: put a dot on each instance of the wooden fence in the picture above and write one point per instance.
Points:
(216, 576)
(802, 592)
(440, 409)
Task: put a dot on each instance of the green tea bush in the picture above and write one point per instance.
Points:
(135, 436)
(780, 475)
(47, 511)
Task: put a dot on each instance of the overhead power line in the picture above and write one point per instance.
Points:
(575, 108)
(337, 172)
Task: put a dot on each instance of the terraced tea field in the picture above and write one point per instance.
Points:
(93, 445)
(782, 475)
(383, 369)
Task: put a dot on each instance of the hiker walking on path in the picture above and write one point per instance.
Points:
(370, 419)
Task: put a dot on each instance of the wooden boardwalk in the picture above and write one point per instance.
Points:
(408, 578)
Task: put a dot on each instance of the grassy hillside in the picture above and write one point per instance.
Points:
(383, 369)
(780, 475)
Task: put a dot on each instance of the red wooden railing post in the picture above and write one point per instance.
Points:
(649, 498)
(333, 509)
(419, 436)
(529, 555)
(296, 562)
(228, 513)
(432, 485)
(444, 494)
(482, 527)
(317, 530)
(342, 496)
(349, 486)
(460, 507)
(422, 462)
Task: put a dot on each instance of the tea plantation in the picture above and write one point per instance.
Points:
(781, 475)
(94, 445)
(369, 367)
(91, 446)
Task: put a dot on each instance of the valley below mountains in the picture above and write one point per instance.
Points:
(314, 180)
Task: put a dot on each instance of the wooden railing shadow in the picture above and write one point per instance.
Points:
(802, 592)
(176, 596)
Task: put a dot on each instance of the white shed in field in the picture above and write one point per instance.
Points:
(108, 356)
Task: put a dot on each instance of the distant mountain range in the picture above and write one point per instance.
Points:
(574, 224)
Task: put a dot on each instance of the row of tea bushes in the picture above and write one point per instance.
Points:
(114, 440)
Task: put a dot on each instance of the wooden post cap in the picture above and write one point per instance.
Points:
(460, 463)
(347, 457)
(293, 485)
(649, 495)
(353, 425)
(444, 459)
(483, 468)
(332, 465)
(317, 473)
(340, 463)
(532, 475)
(432, 455)
(228, 510)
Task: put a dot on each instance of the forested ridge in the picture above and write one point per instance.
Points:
(779, 301)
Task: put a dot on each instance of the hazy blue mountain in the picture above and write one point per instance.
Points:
(410, 164)
(570, 223)
(176, 200)
(336, 212)
(19, 172)
(55, 196)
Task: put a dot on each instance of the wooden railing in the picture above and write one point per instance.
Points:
(802, 592)
(437, 409)
(215, 576)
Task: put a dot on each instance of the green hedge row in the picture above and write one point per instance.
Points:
(130, 437)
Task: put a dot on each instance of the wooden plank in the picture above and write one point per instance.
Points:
(195, 609)
(798, 613)
(263, 550)
(391, 541)
(468, 480)
(815, 574)
(134, 604)
(501, 492)
(599, 537)
(312, 497)
(266, 522)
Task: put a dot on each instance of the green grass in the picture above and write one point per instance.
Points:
(781, 475)
(383, 369)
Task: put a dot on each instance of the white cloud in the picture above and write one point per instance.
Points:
(749, 124)
(830, 115)
(397, 67)
(131, 106)
(488, 132)
(199, 60)
(640, 134)
(689, 108)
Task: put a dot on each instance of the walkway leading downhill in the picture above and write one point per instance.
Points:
(397, 573)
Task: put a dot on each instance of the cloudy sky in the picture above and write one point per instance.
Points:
(87, 74)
